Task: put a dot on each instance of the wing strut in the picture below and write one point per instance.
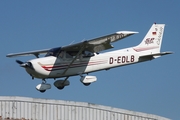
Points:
(80, 51)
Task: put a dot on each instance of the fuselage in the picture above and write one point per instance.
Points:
(56, 67)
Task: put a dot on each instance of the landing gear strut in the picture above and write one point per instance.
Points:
(43, 81)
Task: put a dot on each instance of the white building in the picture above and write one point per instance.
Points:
(24, 108)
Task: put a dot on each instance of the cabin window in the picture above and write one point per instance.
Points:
(61, 54)
(71, 54)
(53, 52)
(87, 54)
(57, 52)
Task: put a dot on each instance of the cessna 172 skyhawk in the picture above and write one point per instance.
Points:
(84, 57)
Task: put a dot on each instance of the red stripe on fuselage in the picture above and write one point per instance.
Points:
(144, 49)
(64, 66)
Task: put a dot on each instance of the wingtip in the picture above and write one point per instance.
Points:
(8, 55)
(127, 32)
(169, 52)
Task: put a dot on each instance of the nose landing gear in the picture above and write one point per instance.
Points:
(43, 86)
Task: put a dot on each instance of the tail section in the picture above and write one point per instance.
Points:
(151, 43)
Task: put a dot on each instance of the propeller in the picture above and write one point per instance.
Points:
(19, 62)
(25, 64)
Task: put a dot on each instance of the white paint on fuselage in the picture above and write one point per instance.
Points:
(82, 65)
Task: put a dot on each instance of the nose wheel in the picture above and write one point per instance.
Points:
(43, 86)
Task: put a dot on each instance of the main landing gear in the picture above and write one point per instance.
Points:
(60, 84)
(87, 80)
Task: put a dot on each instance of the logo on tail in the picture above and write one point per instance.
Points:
(160, 35)
(149, 41)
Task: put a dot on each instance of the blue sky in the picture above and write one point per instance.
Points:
(150, 87)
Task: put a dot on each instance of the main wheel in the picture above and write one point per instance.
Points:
(86, 84)
(42, 91)
(60, 87)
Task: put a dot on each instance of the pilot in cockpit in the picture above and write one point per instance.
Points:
(87, 54)
(61, 54)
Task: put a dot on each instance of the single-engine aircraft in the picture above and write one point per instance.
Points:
(85, 57)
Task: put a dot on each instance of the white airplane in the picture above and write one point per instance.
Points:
(84, 57)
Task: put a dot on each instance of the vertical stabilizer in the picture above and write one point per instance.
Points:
(152, 41)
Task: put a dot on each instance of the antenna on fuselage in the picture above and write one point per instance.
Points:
(83, 40)
(72, 42)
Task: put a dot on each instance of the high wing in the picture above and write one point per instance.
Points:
(100, 43)
(93, 45)
(35, 52)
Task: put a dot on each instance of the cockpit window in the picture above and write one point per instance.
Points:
(57, 52)
(71, 54)
(87, 54)
(53, 52)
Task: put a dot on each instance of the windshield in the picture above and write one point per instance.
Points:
(53, 52)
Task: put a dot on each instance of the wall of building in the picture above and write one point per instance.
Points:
(24, 108)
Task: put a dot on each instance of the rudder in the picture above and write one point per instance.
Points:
(153, 39)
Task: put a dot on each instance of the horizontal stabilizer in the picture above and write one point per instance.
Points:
(153, 56)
